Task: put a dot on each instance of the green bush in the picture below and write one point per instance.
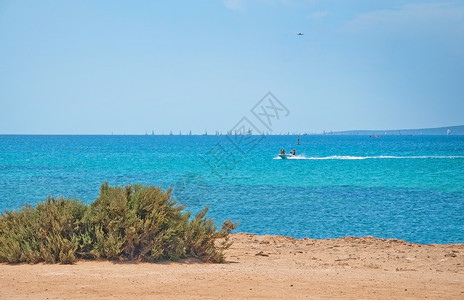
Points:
(49, 232)
(133, 223)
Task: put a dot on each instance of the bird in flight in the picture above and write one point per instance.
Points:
(300, 33)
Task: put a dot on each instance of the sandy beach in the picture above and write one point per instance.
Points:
(258, 267)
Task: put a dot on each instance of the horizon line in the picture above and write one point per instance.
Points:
(219, 132)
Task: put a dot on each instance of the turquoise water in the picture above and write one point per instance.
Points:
(407, 187)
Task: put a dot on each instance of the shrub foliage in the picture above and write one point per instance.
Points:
(141, 223)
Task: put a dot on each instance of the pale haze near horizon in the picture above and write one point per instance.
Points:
(101, 67)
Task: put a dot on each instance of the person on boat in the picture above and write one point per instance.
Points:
(293, 152)
(283, 151)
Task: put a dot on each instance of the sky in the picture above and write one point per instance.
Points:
(130, 67)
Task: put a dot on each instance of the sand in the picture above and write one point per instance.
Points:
(258, 267)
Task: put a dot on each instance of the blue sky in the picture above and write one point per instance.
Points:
(96, 67)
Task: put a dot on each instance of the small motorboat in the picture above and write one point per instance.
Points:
(284, 155)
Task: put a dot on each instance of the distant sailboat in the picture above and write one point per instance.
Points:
(448, 132)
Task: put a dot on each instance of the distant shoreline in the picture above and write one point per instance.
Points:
(450, 130)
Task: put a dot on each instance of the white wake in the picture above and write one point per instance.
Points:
(349, 157)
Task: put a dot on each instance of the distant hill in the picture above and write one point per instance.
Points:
(451, 130)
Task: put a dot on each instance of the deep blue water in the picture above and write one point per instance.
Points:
(407, 187)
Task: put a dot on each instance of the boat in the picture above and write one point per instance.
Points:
(284, 155)
(287, 155)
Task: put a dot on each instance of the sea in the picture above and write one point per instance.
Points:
(404, 187)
